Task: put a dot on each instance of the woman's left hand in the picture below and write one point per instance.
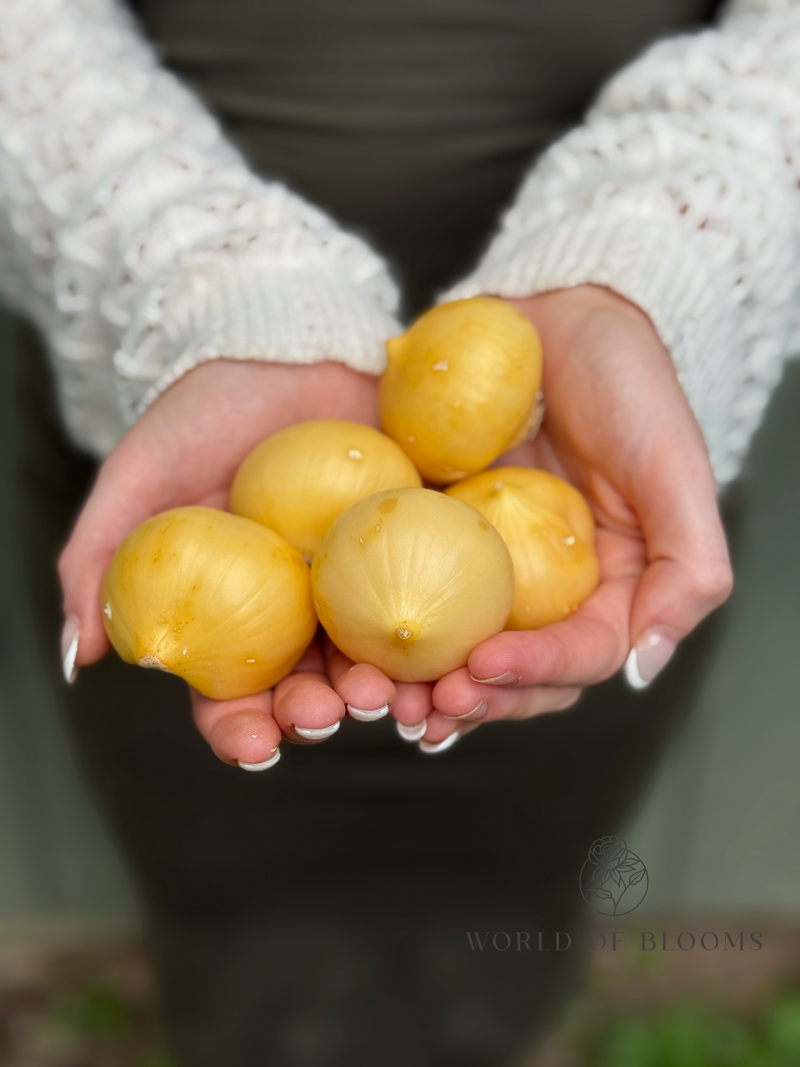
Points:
(618, 427)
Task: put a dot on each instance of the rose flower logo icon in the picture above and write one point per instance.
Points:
(613, 880)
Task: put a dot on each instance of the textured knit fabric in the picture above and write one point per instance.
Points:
(137, 238)
(141, 244)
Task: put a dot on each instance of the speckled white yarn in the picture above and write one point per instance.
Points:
(137, 238)
(140, 243)
(681, 191)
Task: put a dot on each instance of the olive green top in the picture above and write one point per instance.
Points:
(409, 120)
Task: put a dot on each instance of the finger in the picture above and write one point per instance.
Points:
(411, 709)
(366, 691)
(239, 731)
(584, 649)
(442, 734)
(689, 572)
(107, 518)
(458, 700)
(306, 708)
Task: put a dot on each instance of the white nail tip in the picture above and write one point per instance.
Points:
(412, 733)
(364, 715)
(70, 671)
(631, 671)
(317, 735)
(261, 766)
(442, 746)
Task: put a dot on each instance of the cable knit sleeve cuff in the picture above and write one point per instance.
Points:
(687, 286)
(246, 305)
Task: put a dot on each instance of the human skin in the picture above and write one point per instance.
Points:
(185, 450)
(617, 426)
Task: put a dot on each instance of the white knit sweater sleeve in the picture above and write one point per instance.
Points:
(137, 238)
(681, 191)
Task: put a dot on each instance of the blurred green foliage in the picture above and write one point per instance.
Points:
(98, 1013)
(698, 1035)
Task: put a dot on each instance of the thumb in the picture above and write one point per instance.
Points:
(689, 571)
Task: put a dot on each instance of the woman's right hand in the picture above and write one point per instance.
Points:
(185, 450)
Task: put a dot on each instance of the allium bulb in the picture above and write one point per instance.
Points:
(549, 530)
(216, 599)
(461, 386)
(302, 478)
(411, 581)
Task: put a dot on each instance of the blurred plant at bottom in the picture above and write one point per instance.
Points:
(690, 1034)
(78, 1013)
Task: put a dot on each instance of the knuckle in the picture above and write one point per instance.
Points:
(713, 582)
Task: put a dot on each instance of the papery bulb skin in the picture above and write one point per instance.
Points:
(461, 386)
(301, 478)
(411, 581)
(549, 530)
(217, 599)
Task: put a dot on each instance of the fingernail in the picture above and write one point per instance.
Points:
(261, 766)
(317, 735)
(412, 733)
(365, 715)
(70, 636)
(506, 678)
(477, 713)
(649, 655)
(429, 749)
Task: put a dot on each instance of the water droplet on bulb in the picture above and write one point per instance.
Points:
(355, 454)
(107, 610)
(249, 661)
(569, 540)
(441, 365)
(498, 486)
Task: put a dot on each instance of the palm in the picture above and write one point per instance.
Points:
(618, 427)
(185, 450)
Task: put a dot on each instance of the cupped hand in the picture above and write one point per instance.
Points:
(185, 450)
(618, 427)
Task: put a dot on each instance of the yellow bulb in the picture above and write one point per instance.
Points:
(411, 580)
(216, 599)
(461, 386)
(302, 478)
(549, 530)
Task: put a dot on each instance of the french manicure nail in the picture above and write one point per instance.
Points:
(261, 766)
(317, 735)
(475, 715)
(412, 733)
(506, 678)
(429, 748)
(70, 636)
(648, 657)
(365, 715)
